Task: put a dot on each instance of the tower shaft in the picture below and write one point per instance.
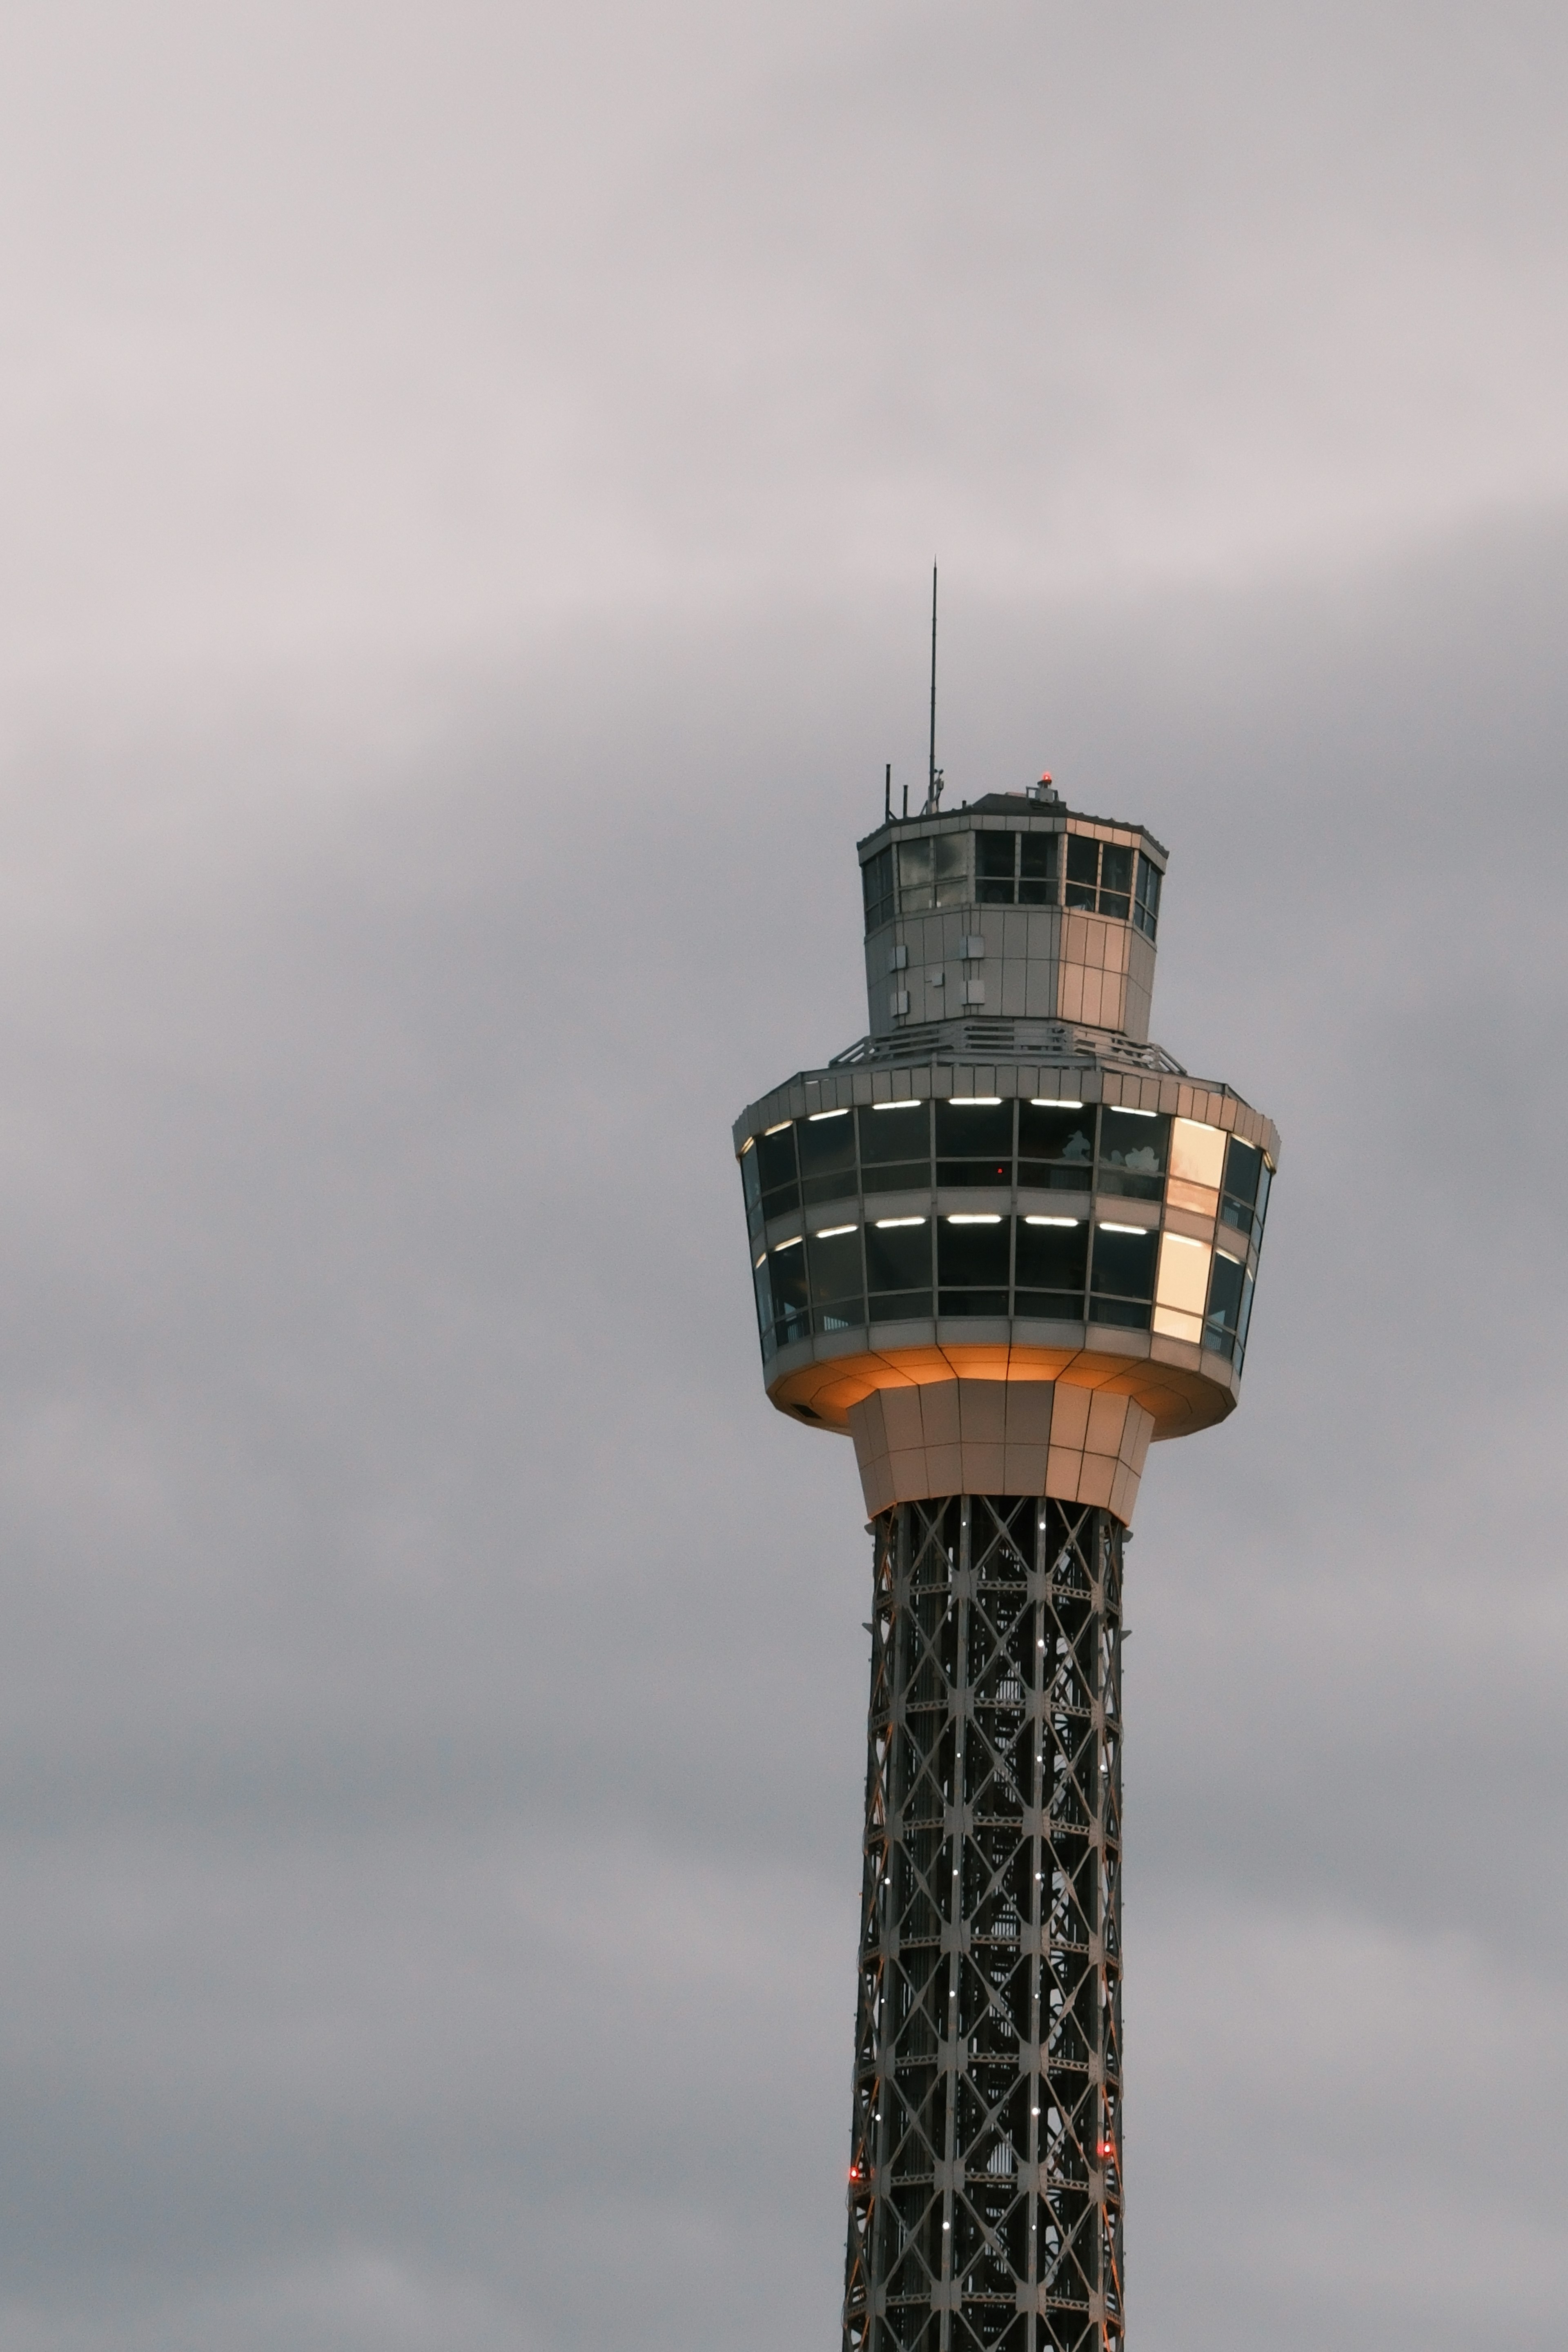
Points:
(985, 2194)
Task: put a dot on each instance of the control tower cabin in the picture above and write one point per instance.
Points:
(1002, 1242)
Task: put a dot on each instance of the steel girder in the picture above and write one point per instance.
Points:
(986, 2177)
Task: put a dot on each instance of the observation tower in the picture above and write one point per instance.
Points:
(1002, 1242)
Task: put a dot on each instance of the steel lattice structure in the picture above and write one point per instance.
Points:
(1003, 1250)
(986, 2204)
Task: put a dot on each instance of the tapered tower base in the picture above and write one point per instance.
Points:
(986, 2186)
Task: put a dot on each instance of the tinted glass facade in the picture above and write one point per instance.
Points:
(1013, 868)
(988, 1207)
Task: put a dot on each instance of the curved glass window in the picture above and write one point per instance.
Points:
(1134, 1151)
(1223, 1319)
(895, 1147)
(973, 1142)
(898, 1268)
(764, 1289)
(1056, 1146)
(778, 1181)
(789, 1293)
(973, 1254)
(1248, 1291)
(1039, 1262)
(751, 1184)
(1245, 1197)
(1146, 907)
(1122, 1277)
(1051, 1266)
(837, 1286)
(826, 1142)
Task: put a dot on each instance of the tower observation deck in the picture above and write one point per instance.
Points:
(1003, 1242)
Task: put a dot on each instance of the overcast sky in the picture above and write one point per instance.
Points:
(469, 480)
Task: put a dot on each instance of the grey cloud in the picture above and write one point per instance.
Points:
(466, 527)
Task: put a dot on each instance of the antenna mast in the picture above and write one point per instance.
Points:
(931, 780)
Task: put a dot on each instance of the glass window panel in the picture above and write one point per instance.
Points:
(890, 1137)
(1037, 868)
(1242, 1163)
(1147, 912)
(914, 877)
(1183, 1273)
(1115, 881)
(1052, 1257)
(975, 1141)
(826, 1147)
(877, 882)
(1050, 1306)
(900, 1305)
(776, 1154)
(972, 1267)
(1198, 1153)
(994, 859)
(952, 868)
(898, 1257)
(896, 1176)
(836, 1287)
(1056, 1148)
(1124, 1263)
(787, 1277)
(1133, 1150)
(751, 1179)
(1264, 1180)
(1083, 871)
(1225, 1286)
(764, 1301)
(1244, 1318)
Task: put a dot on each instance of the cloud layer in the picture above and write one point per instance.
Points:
(469, 489)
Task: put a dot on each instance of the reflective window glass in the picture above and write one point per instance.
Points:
(1115, 880)
(1248, 1291)
(764, 1305)
(951, 870)
(877, 882)
(972, 1265)
(751, 1180)
(1055, 1147)
(1146, 913)
(826, 1146)
(1037, 868)
(1050, 1264)
(973, 1142)
(837, 1299)
(995, 855)
(1220, 1322)
(1083, 871)
(788, 1279)
(1244, 1168)
(895, 1147)
(775, 1155)
(1134, 1149)
(898, 1268)
(914, 877)
(1122, 1277)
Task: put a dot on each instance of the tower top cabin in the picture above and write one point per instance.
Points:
(1012, 907)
